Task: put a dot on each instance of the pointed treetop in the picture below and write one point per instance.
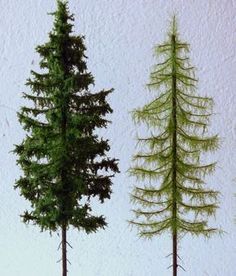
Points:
(62, 10)
(62, 3)
(173, 26)
(62, 19)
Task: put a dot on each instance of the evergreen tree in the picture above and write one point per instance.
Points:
(64, 162)
(178, 118)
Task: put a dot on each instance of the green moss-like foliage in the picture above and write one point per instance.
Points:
(178, 119)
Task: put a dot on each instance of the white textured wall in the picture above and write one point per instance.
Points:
(120, 35)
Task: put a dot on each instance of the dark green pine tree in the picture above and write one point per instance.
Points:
(64, 162)
(174, 197)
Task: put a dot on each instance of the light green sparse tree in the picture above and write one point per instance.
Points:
(174, 196)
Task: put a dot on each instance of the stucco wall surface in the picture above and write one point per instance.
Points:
(120, 36)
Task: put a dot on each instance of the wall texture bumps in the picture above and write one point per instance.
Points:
(120, 36)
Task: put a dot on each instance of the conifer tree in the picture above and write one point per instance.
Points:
(64, 162)
(174, 197)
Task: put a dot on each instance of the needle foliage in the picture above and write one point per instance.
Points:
(174, 196)
(64, 162)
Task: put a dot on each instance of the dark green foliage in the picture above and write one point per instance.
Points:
(63, 160)
(174, 197)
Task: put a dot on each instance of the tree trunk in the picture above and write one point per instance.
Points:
(175, 265)
(64, 251)
(174, 176)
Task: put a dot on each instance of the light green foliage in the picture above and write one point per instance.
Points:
(174, 196)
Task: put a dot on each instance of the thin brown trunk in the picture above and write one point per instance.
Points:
(174, 161)
(64, 252)
(63, 180)
(175, 264)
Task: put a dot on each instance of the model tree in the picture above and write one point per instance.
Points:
(64, 162)
(175, 198)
